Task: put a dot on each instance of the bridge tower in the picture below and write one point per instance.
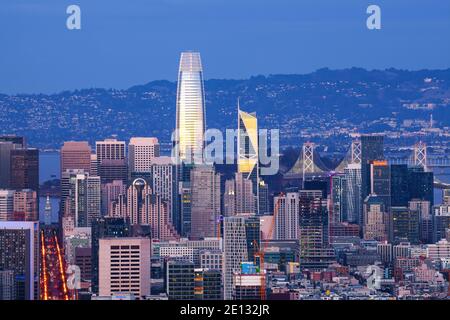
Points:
(420, 154)
(308, 159)
(356, 151)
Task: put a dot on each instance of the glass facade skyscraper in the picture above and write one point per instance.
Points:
(190, 108)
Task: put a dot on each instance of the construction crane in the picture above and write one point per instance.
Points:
(259, 254)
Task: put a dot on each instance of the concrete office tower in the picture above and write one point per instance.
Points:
(124, 266)
(190, 108)
(353, 196)
(76, 155)
(105, 228)
(110, 193)
(164, 184)
(375, 224)
(25, 169)
(25, 205)
(81, 197)
(248, 152)
(6, 205)
(235, 250)
(205, 202)
(110, 149)
(141, 152)
(423, 209)
(286, 221)
(239, 197)
(144, 207)
(19, 252)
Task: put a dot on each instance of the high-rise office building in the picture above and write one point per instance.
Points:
(338, 199)
(105, 228)
(423, 209)
(110, 149)
(248, 150)
(380, 185)
(372, 148)
(207, 284)
(399, 185)
(25, 205)
(124, 266)
(81, 197)
(19, 252)
(110, 193)
(235, 250)
(375, 225)
(6, 205)
(185, 196)
(141, 151)
(164, 183)
(180, 280)
(315, 252)
(190, 122)
(287, 220)
(25, 169)
(441, 222)
(406, 225)
(205, 202)
(76, 155)
(264, 203)
(353, 196)
(5, 164)
(238, 196)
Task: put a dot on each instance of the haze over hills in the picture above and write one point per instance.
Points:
(325, 106)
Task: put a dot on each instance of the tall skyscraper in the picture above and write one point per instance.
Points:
(380, 185)
(190, 122)
(372, 148)
(19, 252)
(164, 184)
(239, 197)
(105, 228)
(6, 205)
(235, 250)
(353, 196)
(76, 155)
(375, 219)
(141, 151)
(124, 266)
(315, 252)
(248, 150)
(5, 164)
(205, 202)
(287, 220)
(80, 197)
(110, 193)
(25, 205)
(25, 169)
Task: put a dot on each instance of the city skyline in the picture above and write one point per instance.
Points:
(332, 185)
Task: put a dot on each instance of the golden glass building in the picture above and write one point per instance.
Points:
(248, 159)
(190, 107)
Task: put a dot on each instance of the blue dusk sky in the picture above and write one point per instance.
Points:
(127, 42)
